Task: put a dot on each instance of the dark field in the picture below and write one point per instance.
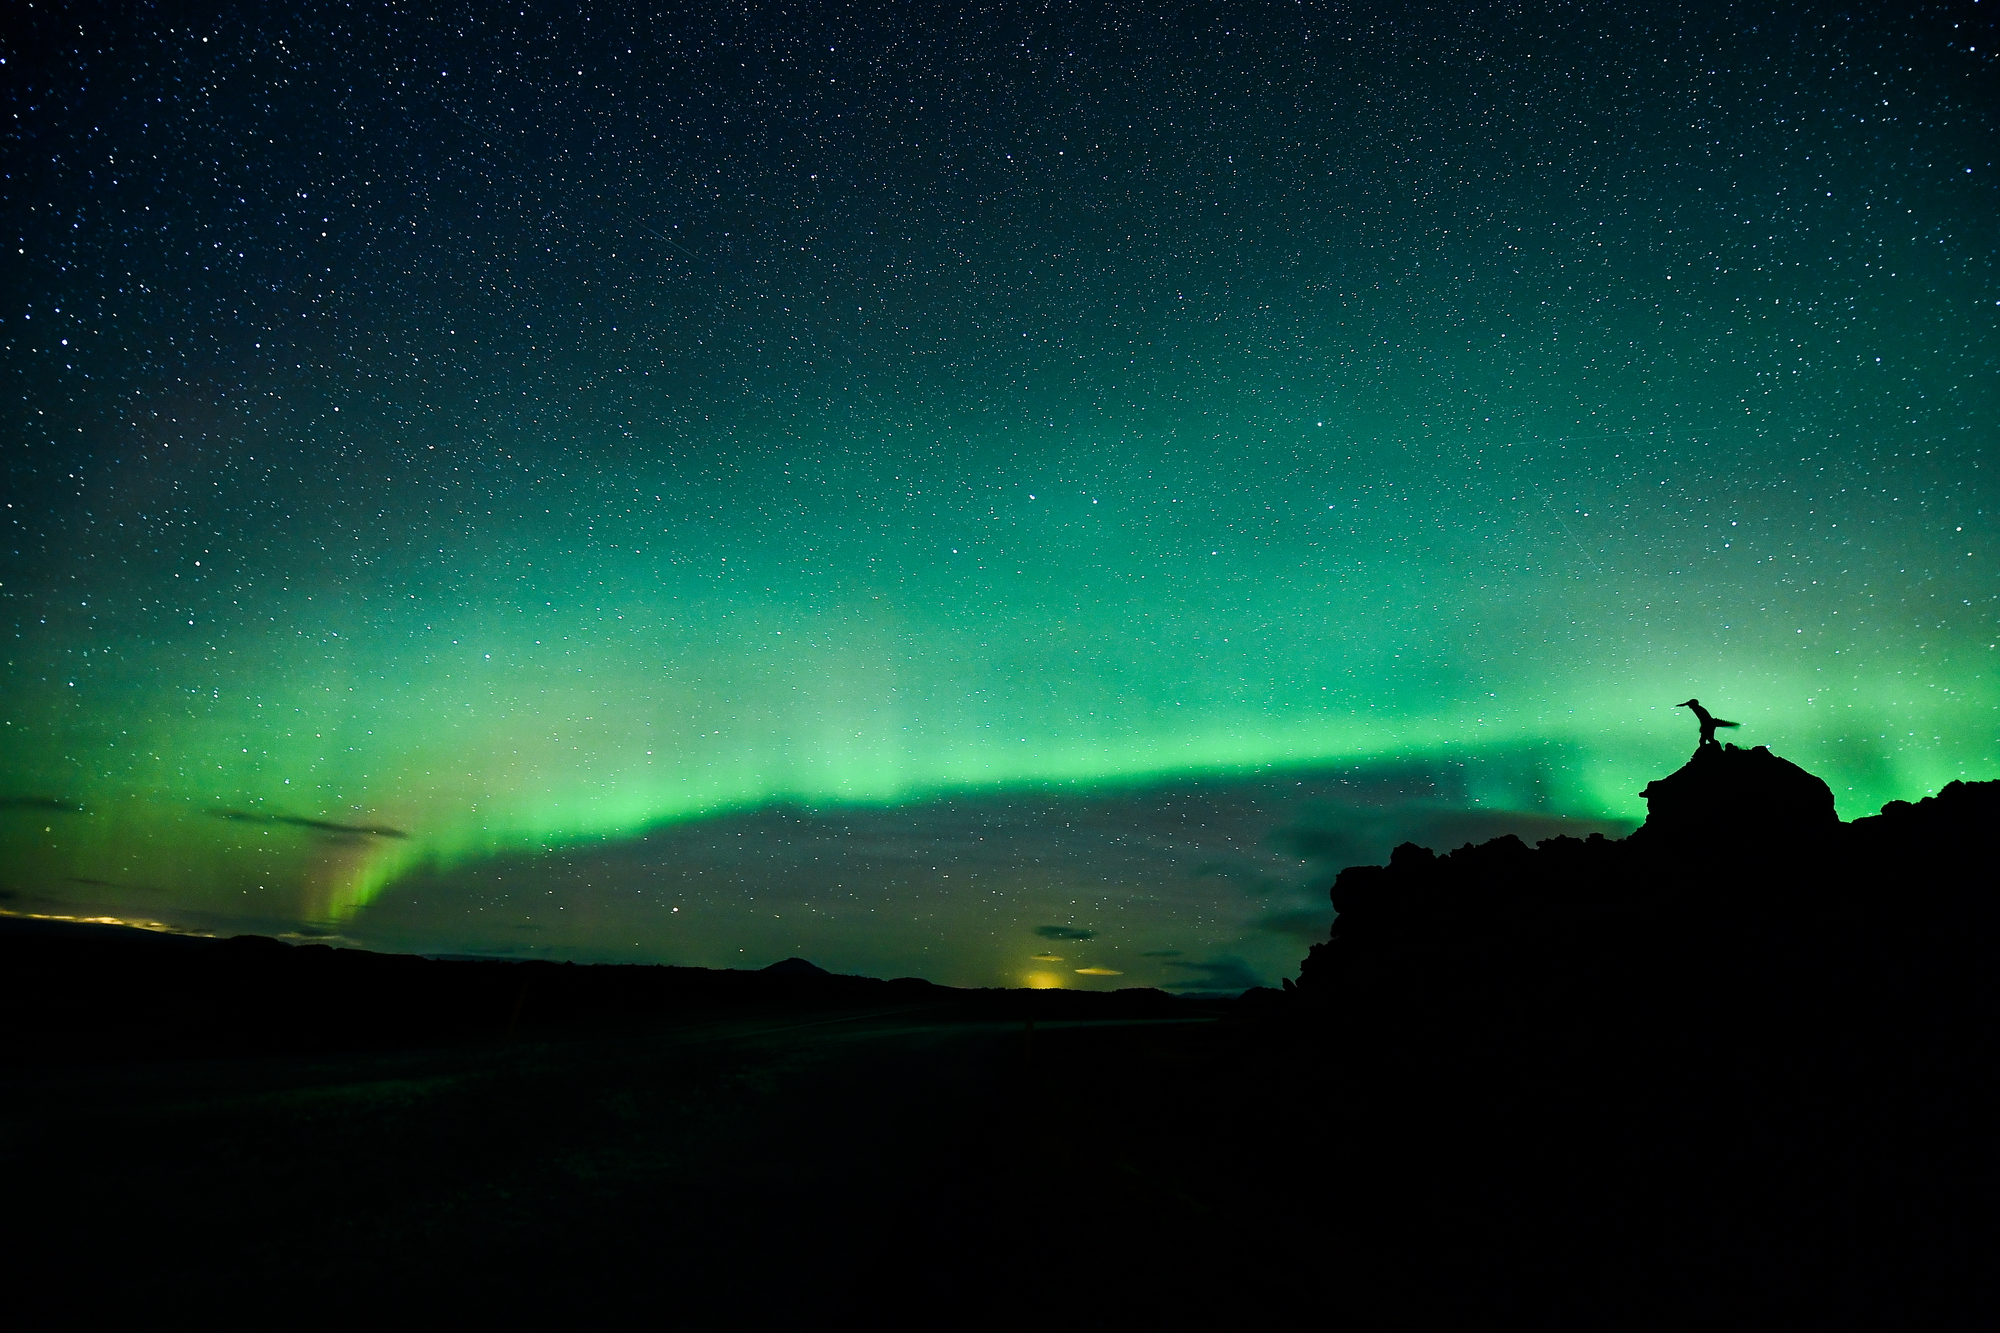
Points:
(923, 1163)
(771, 1162)
(918, 1163)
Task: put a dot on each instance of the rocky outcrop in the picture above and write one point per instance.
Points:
(1742, 858)
(1724, 796)
(1700, 1059)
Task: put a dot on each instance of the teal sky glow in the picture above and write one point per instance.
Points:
(660, 495)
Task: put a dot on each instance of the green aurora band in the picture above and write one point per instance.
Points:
(1109, 605)
(1377, 420)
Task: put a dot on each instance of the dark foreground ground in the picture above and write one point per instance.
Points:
(881, 1165)
(1711, 1076)
(919, 1164)
(248, 1132)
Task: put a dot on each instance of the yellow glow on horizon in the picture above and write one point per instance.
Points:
(157, 927)
(1042, 981)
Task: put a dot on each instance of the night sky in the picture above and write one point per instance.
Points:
(974, 492)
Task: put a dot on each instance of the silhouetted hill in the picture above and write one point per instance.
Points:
(1724, 796)
(1727, 1049)
(82, 991)
(1741, 851)
(796, 967)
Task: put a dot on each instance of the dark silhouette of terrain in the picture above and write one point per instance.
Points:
(1722, 1071)
(1724, 1059)
(83, 991)
(1740, 802)
(465, 1139)
(796, 967)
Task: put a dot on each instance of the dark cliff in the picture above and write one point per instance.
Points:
(1727, 1058)
(1741, 862)
(1739, 799)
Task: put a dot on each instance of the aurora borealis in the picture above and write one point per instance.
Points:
(880, 483)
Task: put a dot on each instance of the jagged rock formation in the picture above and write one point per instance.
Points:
(1741, 853)
(1724, 796)
(1701, 1059)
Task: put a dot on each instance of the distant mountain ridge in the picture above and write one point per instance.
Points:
(79, 990)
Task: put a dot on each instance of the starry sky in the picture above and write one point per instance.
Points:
(1018, 494)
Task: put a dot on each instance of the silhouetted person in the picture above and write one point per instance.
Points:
(1709, 722)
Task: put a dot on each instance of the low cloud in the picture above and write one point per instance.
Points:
(865, 889)
(317, 825)
(46, 805)
(1308, 923)
(1252, 878)
(1218, 974)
